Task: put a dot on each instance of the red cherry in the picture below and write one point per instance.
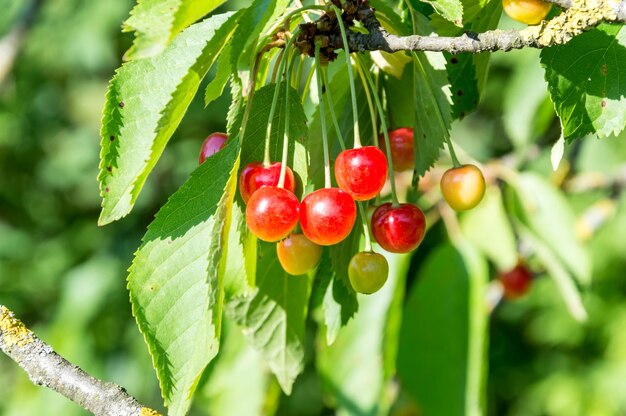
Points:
(398, 229)
(327, 216)
(255, 175)
(272, 213)
(211, 145)
(516, 281)
(361, 172)
(402, 153)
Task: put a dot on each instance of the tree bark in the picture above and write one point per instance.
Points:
(47, 368)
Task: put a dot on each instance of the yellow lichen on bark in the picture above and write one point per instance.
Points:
(583, 14)
(12, 330)
(146, 411)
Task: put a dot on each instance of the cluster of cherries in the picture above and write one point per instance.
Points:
(327, 215)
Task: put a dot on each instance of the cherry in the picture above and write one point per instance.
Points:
(368, 272)
(530, 12)
(463, 187)
(272, 213)
(255, 175)
(516, 281)
(327, 216)
(398, 229)
(297, 254)
(211, 145)
(402, 153)
(361, 172)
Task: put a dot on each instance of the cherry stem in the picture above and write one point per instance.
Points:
(355, 114)
(455, 160)
(268, 133)
(283, 166)
(366, 229)
(279, 59)
(305, 91)
(250, 90)
(333, 115)
(394, 196)
(369, 102)
(318, 72)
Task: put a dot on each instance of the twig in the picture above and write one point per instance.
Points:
(579, 16)
(47, 368)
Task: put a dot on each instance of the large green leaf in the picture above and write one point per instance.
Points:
(145, 103)
(157, 22)
(587, 81)
(176, 280)
(354, 369)
(451, 10)
(273, 317)
(442, 339)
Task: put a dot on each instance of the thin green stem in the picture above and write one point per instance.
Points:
(355, 114)
(279, 59)
(369, 101)
(318, 71)
(305, 91)
(283, 167)
(268, 132)
(394, 196)
(333, 115)
(251, 87)
(455, 160)
(366, 228)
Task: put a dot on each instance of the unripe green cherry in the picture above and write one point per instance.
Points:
(368, 272)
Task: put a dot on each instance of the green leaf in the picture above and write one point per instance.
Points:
(273, 317)
(546, 212)
(252, 24)
(145, 103)
(432, 109)
(215, 88)
(463, 83)
(442, 339)
(339, 299)
(176, 280)
(400, 109)
(157, 22)
(587, 81)
(353, 370)
(451, 10)
(499, 244)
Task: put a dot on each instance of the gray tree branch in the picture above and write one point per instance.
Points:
(578, 16)
(47, 368)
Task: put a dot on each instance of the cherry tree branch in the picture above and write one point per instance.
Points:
(47, 368)
(578, 16)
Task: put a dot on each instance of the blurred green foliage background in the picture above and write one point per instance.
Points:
(65, 277)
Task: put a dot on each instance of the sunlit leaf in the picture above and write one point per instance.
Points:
(176, 280)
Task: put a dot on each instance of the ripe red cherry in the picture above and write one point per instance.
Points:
(398, 229)
(255, 175)
(327, 216)
(211, 145)
(272, 213)
(361, 172)
(463, 188)
(368, 272)
(402, 153)
(297, 254)
(516, 281)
